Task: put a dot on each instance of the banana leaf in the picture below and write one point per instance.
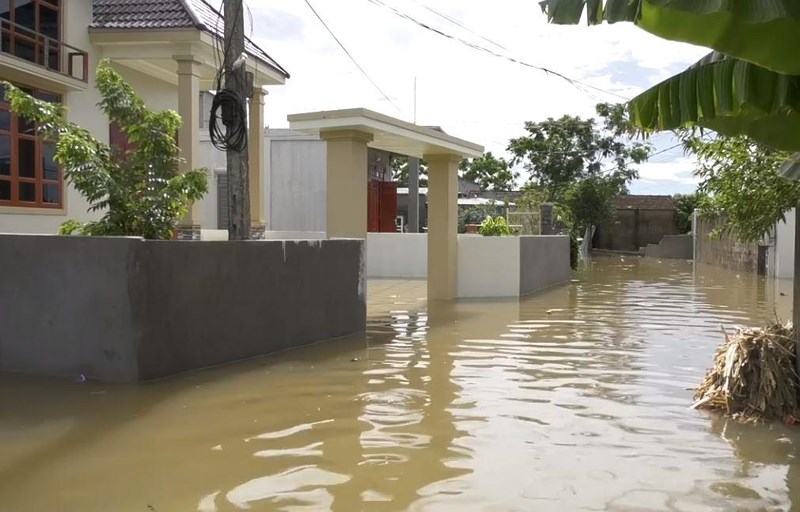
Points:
(763, 32)
(729, 96)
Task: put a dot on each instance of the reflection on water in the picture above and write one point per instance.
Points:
(575, 399)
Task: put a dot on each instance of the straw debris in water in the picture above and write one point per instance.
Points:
(754, 377)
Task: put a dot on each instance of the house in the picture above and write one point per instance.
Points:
(167, 49)
(638, 220)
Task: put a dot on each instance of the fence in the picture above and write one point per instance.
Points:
(527, 223)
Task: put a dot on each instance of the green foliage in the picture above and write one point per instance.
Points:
(729, 96)
(560, 152)
(574, 250)
(400, 171)
(579, 164)
(474, 215)
(532, 197)
(766, 32)
(739, 178)
(494, 226)
(685, 205)
(590, 202)
(489, 172)
(70, 227)
(141, 192)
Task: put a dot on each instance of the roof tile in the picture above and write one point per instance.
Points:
(169, 14)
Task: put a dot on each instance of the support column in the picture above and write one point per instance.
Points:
(796, 286)
(413, 195)
(189, 137)
(442, 226)
(257, 161)
(346, 189)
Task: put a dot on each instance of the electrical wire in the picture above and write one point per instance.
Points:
(228, 105)
(363, 72)
(459, 24)
(575, 83)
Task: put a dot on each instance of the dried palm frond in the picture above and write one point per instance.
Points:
(754, 376)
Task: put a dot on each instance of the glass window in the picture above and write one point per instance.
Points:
(26, 127)
(27, 192)
(5, 155)
(48, 22)
(25, 13)
(50, 193)
(5, 9)
(49, 167)
(29, 175)
(26, 150)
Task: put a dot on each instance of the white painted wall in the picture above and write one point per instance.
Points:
(488, 266)
(397, 255)
(297, 182)
(82, 110)
(783, 248)
(295, 235)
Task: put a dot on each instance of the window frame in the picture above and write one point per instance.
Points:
(38, 180)
(34, 36)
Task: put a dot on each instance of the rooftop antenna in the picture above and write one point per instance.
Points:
(415, 100)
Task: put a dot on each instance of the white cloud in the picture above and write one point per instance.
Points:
(469, 93)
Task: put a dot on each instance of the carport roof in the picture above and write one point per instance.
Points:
(389, 134)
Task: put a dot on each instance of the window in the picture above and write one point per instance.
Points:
(31, 30)
(29, 175)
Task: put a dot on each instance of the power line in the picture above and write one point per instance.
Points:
(350, 55)
(575, 83)
(459, 24)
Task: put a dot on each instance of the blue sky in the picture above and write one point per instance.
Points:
(469, 93)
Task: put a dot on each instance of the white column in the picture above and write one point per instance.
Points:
(257, 162)
(189, 135)
(442, 226)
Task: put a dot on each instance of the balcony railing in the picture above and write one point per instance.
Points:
(56, 56)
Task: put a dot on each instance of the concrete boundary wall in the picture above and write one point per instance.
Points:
(671, 247)
(488, 267)
(544, 262)
(129, 310)
(397, 255)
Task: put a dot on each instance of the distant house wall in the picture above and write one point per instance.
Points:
(639, 220)
(631, 229)
(725, 250)
(781, 261)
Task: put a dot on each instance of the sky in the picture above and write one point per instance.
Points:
(469, 93)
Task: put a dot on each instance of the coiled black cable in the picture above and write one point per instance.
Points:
(231, 133)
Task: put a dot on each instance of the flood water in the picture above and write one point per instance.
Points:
(575, 399)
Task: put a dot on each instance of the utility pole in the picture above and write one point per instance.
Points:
(237, 160)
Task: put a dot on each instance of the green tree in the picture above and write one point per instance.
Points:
(489, 172)
(400, 171)
(685, 205)
(739, 177)
(558, 153)
(141, 193)
(748, 86)
(589, 202)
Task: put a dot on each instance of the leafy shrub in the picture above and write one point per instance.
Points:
(140, 192)
(494, 226)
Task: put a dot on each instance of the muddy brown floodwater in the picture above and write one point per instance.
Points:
(575, 399)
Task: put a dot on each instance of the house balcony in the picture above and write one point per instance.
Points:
(35, 59)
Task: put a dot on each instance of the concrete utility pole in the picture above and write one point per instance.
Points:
(237, 161)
